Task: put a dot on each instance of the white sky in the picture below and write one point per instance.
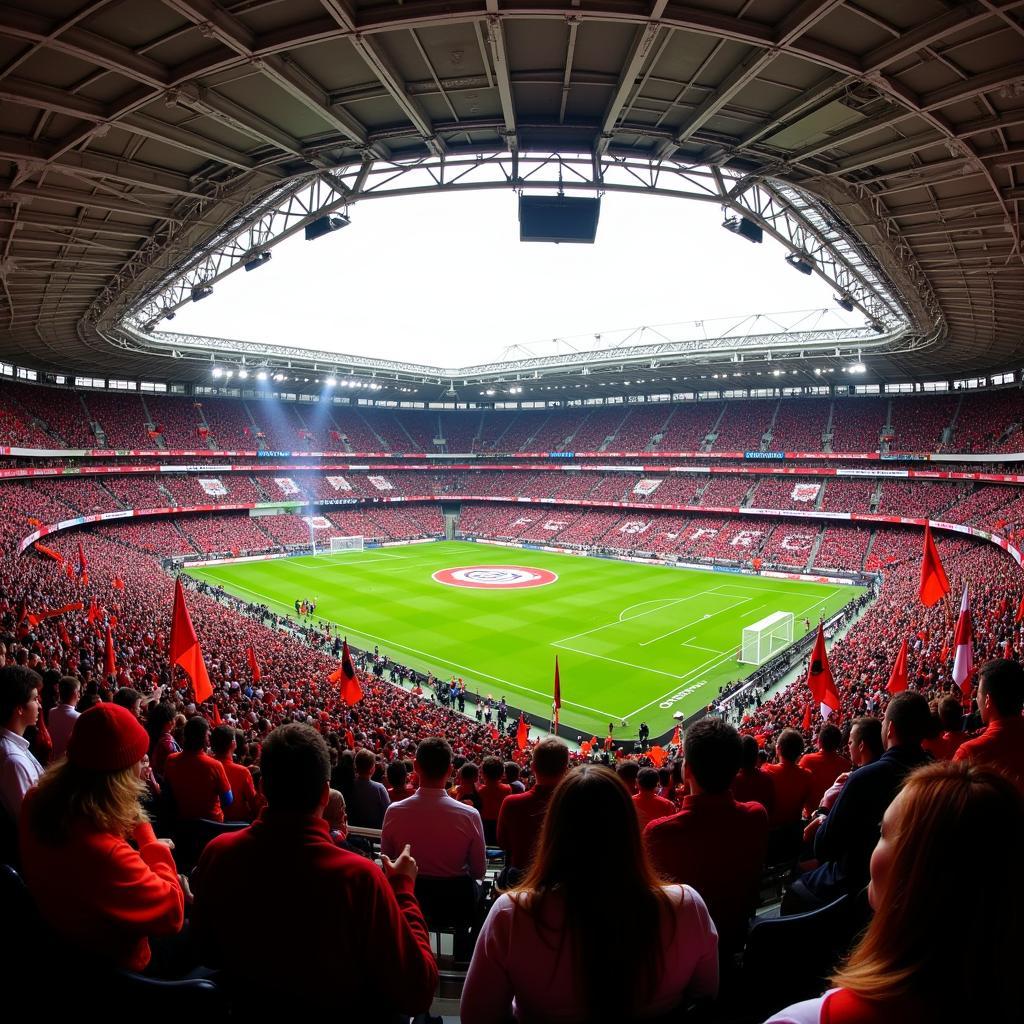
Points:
(444, 280)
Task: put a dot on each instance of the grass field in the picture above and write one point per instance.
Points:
(638, 642)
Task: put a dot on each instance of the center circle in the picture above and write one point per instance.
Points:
(495, 577)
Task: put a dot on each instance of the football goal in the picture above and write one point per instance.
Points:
(346, 544)
(767, 637)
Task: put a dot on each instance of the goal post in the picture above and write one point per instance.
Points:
(339, 544)
(763, 639)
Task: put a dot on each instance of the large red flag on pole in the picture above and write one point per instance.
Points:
(184, 647)
(898, 677)
(345, 676)
(522, 732)
(1020, 611)
(254, 665)
(934, 584)
(963, 647)
(557, 704)
(109, 664)
(819, 677)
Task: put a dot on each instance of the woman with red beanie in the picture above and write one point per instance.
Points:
(95, 868)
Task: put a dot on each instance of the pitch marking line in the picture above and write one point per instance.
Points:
(703, 618)
(620, 620)
(663, 601)
(472, 672)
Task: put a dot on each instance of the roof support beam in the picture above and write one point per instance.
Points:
(377, 61)
(989, 81)
(957, 18)
(499, 58)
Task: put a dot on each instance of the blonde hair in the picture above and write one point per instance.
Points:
(68, 795)
(956, 820)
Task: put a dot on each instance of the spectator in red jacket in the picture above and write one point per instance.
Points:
(714, 843)
(198, 783)
(99, 876)
(947, 816)
(752, 784)
(950, 735)
(825, 764)
(492, 793)
(245, 803)
(522, 814)
(332, 926)
(792, 784)
(1000, 701)
(648, 804)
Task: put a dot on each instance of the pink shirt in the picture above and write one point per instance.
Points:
(516, 969)
(60, 722)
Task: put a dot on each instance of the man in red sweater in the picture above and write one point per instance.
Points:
(1000, 700)
(522, 814)
(198, 783)
(330, 930)
(793, 784)
(714, 843)
(825, 764)
(649, 806)
(245, 803)
(492, 795)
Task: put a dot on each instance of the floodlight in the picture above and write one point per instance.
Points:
(857, 368)
(844, 302)
(800, 261)
(243, 374)
(330, 382)
(877, 327)
(257, 261)
(201, 291)
(262, 375)
(324, 226)
(168, 314)
(745, 228)
(217, 371)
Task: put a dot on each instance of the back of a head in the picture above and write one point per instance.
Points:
(550, 759)
(648, 779)
(126, 697)
(949, 817)
(628, 771)
(469, 773)
(295, 767)
(68, 686)
(1003, 682)
(197, 729)
(830, 739)
(749, 751)
(511, 771)
(711, 753)
(910, 717)
(869, 732)
(158, 716)
(434, 759)
(16, 686)
(396, 774)
(221, 739)
(492, 769)
(366, 760)
(790, 745)
(590, 850)
(951, 714)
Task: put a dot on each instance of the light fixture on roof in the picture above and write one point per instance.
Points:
(800, 261)
(243, 374)
(330, 382)
(201, 291)
(257, 261)
(262, 375)
(857, 367)
(217, 371)
(168, 314)
(745, 228)
(877, 327)
(844, 302)
(325, 225)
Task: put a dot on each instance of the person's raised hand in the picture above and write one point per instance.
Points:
(404, 865)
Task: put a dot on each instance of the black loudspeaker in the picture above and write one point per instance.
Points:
(558, 219)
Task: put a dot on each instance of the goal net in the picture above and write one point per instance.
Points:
(346, 544)
(767, 637)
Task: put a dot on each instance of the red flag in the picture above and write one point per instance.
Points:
(50, 553)
(184, 647)
(677, 740)
(94, 612)
(819, 677)
(522, 732)
(558, 696)
(69, 570)
(585, 748)
(898, 678)
(118, 583)
(64, 635)
(658, 756)
(254, 665)
(934, 584)
(806, 723)
(109, 665)
(1020, 610)
(963, 647)
(215, 718)
(83, 565)
(495, 735)
(1008, 650)
(345, 674)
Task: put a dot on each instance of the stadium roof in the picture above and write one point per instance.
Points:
(147, 145)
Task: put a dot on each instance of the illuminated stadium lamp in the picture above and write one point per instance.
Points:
(201, 291)
(243, 374)
(330, 382)
(229, 374)
(844, 302)
(817, 371)
(217, 371)
(857, 368)
(800, 261)
(490, 391)
(257, 261)
(745, 228)
(324, 226)
(262, 375)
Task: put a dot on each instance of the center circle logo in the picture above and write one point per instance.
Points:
(495, 577)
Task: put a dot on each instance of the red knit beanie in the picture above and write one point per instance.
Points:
(107, 738)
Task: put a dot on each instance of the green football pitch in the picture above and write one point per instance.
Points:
(634, 641)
